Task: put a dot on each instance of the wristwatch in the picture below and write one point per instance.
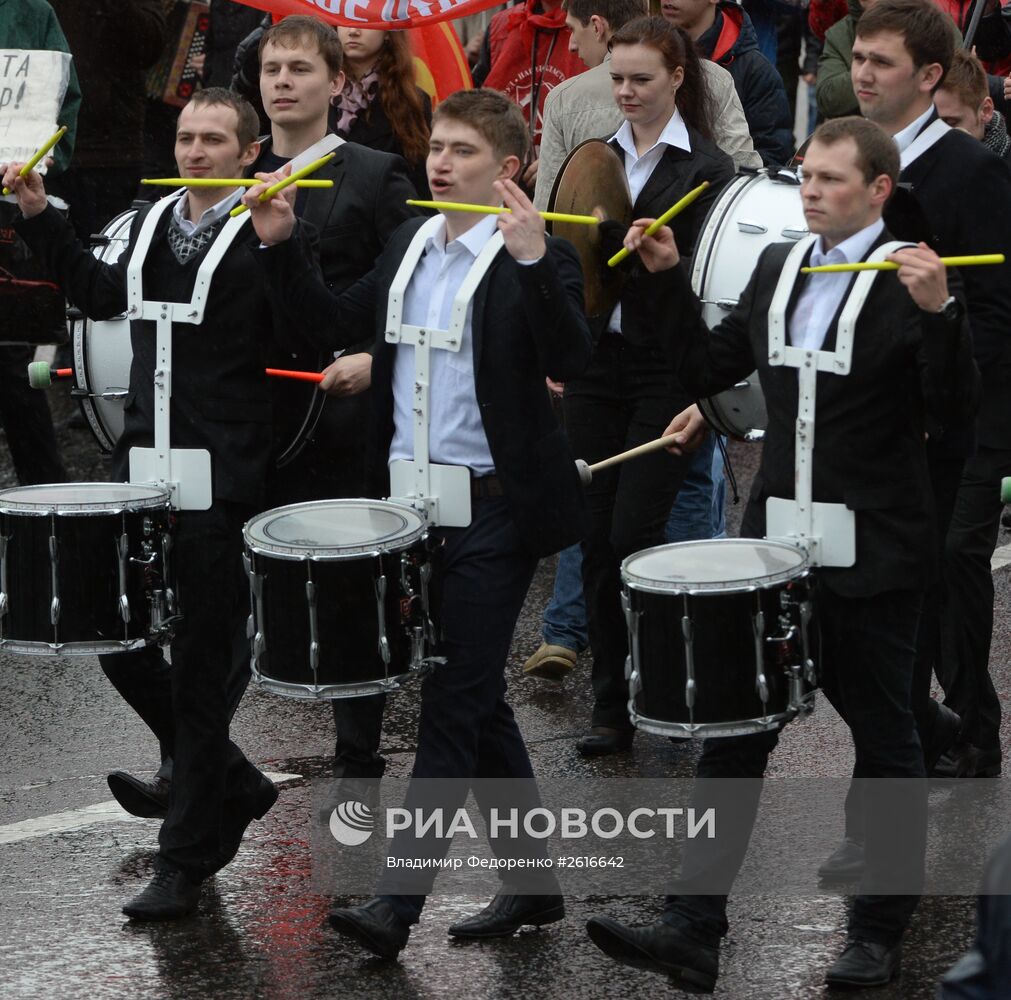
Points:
(951, 310)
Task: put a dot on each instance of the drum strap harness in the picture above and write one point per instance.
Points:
(184, 472)
(826, 530)
(441, 491)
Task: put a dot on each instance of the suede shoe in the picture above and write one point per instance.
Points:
(374, 925)
(505, 915)
(238, 815)
(168, 896)
(845, 863)
(864, 963)
(603, 740)
(148, 799)
(658, 947)
(550, 662)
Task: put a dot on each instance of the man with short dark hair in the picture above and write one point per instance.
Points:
(911, 353)
(216, 792)
(963, 101)
(489, 414)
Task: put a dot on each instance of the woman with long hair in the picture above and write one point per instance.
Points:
(629, 393)
(381, 106)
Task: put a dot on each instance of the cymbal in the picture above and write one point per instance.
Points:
(592, 182)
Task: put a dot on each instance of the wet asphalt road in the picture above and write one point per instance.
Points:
(262, 932)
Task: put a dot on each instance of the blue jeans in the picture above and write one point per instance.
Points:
(697, 513)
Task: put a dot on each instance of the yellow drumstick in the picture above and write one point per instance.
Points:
(458, 206)
(37, 158)
(889, 265)
(210, 182)
(309, 168)
(662, 221)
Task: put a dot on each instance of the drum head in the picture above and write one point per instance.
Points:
(82, 498)
(592, 182)
(334, 529)
(720, 565)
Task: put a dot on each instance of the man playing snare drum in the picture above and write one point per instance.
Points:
(221, 404)
(909, 355)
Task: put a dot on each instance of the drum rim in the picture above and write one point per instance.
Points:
(329, 554)
(327, 692)
(158, 498)
(76, 647)
(633, 581)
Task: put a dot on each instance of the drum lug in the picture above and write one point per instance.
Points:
(761, 684)
(54, 562)
(123, 547)
(166, 548)
(384, 643)
(405, 582)
(255, 622)
(3, 575)
(417, 648)
(688, 633)
(310, 596)
(250, 626)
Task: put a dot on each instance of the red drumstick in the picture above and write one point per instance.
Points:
(298, 376)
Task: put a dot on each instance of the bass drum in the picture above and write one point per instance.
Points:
(753, 211)
(103, 354)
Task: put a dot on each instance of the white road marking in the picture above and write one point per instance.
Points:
(109, 811)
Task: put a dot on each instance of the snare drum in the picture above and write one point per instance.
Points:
(339, 592)
(753, 211)
(84, 568)
(722, 636)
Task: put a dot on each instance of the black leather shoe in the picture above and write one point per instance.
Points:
(373, 925)
(168, 896)
(603, 740)
(505, 915)
(965, 761)
(138, 797)
(658, 947)
(943, 736)
(845, 863)
(237, 816)
(864, 963)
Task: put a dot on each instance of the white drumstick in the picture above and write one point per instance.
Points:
(586, 471)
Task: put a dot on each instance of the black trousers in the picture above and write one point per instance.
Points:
(467, 729)
(185, 703)
(627, 397)
(964, 667)
(867, 651)
(25, 417)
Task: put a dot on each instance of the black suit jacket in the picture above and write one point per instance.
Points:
(869, 427)
(527, 323)
(964, 191)
(677, 173)
(220, 395)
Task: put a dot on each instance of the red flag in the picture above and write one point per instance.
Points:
(440, 66)
(376, 13)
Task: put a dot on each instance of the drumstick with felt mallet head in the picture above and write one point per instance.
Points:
(42, 376)
(586, 471)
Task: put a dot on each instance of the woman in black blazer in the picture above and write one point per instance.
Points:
(381, 106)
(629, 393)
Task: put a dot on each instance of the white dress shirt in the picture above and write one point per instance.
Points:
(639, 169)
(211, 215)
(910, 132)
(455, 435)
(822, 294)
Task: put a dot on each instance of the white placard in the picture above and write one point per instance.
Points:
(33, 83)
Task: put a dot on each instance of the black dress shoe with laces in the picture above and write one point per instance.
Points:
(659, 947)
(148, 799)
(238, 815)
(943, 736)
(374, 925)
(966, 761)
(506, 914)
(845, 863)
(603, 740)
(864, 963)
(168, 896)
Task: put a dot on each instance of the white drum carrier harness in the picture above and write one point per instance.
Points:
(442, 492)
(184, 472)
(826, 530)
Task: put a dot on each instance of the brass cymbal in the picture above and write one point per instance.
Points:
(592, 182)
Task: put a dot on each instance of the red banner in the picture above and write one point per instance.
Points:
(376, 13)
